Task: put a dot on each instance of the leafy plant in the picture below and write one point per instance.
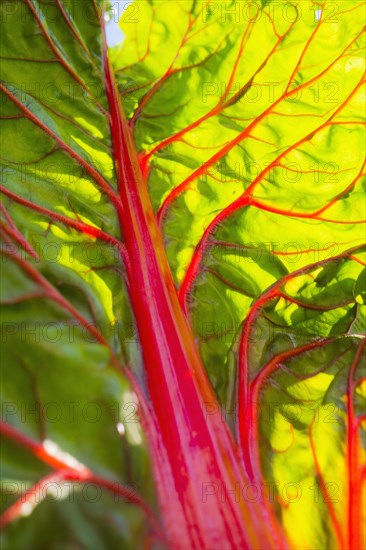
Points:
(183, 299)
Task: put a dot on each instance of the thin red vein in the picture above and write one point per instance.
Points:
(147, 51)
(355, 538)
(219, 108)
(236, 246)
(303, 53)
(301, 215)
(200, 249)
(323, 487)
(98, 178)
(64, 117)
(250, 444)
(243, 377)
(358, 260)
(237, 96)
(147, 97)
(76, 35)
(245, 200)
(243, 366)
(252, 434)
(63, 62)
(311, 374)
(247, 30)
(35, 494)
(217, 156)
(18, 237)
(264, 63)
(315, 307)
(13, 117)
(69, 222)
(38, 449)
(283, 451)
(52, 293)
(14, 232)
(361, 5)
(227, 283)
(309, 136)
(344, 192)
(65, 472)
(38, 492)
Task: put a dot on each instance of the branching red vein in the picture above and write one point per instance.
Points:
(219, 108)
(77, 36)
(239, 138)
(169, 72)
(98, 178)
(69, 222)
(303, 53)
(273, 292)
(246, 199)
(63, 62)
(65, 472)
(14, 233)
(53, 294)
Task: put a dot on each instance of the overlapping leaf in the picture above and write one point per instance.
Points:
(301, 399)
(66, 315)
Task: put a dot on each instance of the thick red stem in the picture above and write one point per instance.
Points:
(202, 460)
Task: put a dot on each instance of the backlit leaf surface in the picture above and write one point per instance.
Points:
(215, 226)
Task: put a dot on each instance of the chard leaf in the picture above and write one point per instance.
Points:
(66, 322)
(182, 219)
